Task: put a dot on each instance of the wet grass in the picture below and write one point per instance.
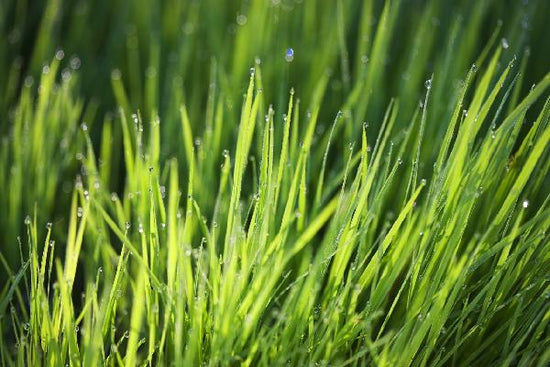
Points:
(274, 183)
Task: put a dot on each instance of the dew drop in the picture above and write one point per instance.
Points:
(60, 54)
(75, 63)
(289, 55)
(504, 43)
(525, 204)
(115, 74)
(241, 19)
(29, 81)
(428, 84)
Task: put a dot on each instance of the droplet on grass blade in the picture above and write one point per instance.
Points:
(525, 204)
(241, 19)
(504, 43)
(115, 74)
(428, 84)
(60, 54)
(75, 64)
(289, 55)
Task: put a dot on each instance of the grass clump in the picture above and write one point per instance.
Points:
(304, 183)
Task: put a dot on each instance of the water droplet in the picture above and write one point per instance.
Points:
(423, 182)
(84, 126)
(116, 74)
(127, 225)
(29, 81)
(75, 63)
(51, 243)
(225, 153)
(428, 84)
(60, 54)
(289, 55)
(140, 228)
(49, 226)
(504, 43)
(27, 220)
(45, 69)
(525, 204)
(241, 19)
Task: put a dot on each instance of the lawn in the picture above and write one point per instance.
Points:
(274, 183)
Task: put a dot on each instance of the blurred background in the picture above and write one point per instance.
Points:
(150, 57)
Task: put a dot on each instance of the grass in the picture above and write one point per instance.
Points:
(274, 183)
